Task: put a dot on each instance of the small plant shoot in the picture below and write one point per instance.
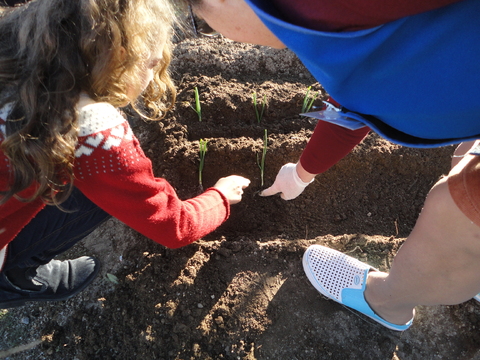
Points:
(308, 100)
(198, 106)
(112, 278)
(202, 149)
(261, 162)
(256, 104)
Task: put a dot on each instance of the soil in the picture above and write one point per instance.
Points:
(240, 292)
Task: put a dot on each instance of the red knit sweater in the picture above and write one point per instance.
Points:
(113, 172)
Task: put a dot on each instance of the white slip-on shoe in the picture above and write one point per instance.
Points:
(342, 278)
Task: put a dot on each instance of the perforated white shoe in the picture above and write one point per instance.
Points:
(342, 278)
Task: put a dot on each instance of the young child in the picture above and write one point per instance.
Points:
(68, 158)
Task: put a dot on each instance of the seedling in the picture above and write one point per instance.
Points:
(261, 163)
(308, 100)
(202, 149)
(259, 114)
(112, 278)
(198, 106)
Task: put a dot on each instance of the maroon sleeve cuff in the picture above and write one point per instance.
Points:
(328, 145)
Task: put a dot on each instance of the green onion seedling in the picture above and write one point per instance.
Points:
(308, 100)
(198, 106)
(202, 149)
(261, 163)
(259, 114)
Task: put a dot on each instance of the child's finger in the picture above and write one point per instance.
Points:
(240, 181)
(244, 182)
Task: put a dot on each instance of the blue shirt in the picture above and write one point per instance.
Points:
(417, 79)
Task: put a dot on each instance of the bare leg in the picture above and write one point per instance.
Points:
(437, 264)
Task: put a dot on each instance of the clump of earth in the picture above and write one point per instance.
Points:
(240, 292)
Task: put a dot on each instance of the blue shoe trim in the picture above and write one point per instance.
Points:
(350, 297)
(355, 299)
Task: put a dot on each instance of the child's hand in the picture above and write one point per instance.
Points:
(232, 187)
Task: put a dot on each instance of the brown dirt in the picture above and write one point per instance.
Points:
(240, 293)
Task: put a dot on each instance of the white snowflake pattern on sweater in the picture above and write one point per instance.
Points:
(102, 128)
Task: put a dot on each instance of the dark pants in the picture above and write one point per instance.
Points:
(54, 231)
(12, 2)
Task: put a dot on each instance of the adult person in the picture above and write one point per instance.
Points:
(408, 70)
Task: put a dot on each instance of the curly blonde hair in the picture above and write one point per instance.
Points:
(53, 50)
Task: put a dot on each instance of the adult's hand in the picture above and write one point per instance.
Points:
(287, 183)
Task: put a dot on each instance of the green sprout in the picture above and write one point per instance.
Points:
(259, 114)
(198, 106)
(261, 163)
(308, 100)
(112, 278)
(202, 149)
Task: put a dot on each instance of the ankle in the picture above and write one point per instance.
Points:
(20, 278)
(385, 305)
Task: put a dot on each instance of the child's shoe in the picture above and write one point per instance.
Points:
(55, 281)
